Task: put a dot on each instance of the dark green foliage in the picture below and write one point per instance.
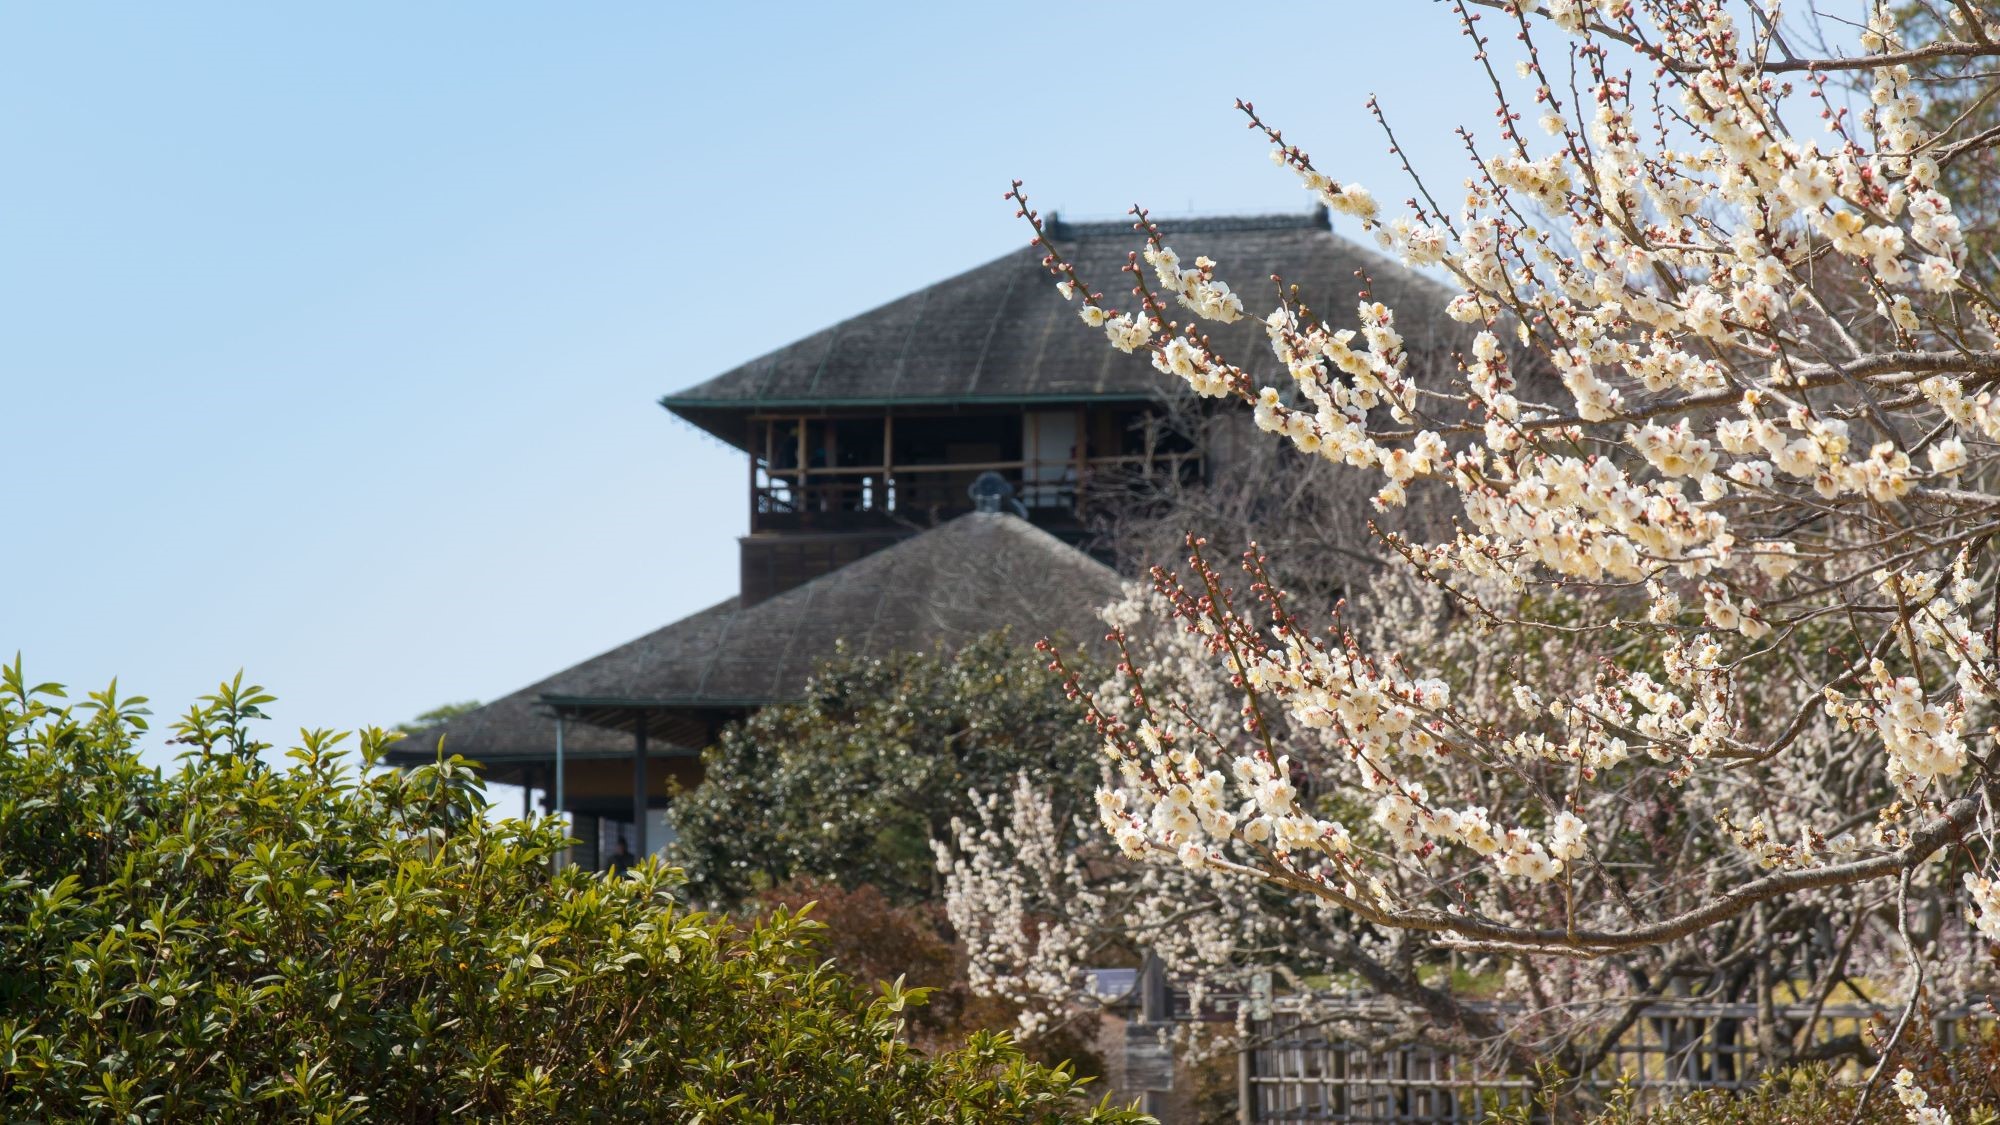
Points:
(850, 785)
(230, 942)
(437, 715)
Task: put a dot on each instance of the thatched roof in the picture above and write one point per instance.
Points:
(970, 576)
(1000, 333)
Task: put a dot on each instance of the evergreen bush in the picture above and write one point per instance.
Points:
(850, 784)
(327, 942)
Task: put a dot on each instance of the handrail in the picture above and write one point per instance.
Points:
(855, 496)
(972, 466)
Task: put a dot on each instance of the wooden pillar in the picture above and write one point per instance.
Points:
(770, 460)
(838, 501)
(1031, 458)
(562, 771)
(1081, 460)
(639, 788)
(1155, 1002)
(1246, 1084)
(586, 854)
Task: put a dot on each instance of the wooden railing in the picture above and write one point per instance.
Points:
(1316, 1059)
(845, 498)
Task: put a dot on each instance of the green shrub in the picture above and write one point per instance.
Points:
(228, 941)
(852, 783)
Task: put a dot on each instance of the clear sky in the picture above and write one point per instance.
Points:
(330, 337)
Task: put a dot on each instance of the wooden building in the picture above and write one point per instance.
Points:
(862, 445)
(632, 721)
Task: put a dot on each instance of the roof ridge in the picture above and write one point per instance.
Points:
(960, 579)
(1028, 530)
(1000, 333)
(1063, 230)
(887, 556)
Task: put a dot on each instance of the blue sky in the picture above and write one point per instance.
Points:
(330, 338)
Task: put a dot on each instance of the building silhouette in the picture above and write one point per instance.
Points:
(868, 446)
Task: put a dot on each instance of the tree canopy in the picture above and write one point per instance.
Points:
(852, 783)
(226, 940)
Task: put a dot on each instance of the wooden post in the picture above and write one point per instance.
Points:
(1082, 440)
(832, 447)
(888, 459)
(1031, 456)
(1246, 1086)
(561, 811)
(639, 788)
(1155, 1003)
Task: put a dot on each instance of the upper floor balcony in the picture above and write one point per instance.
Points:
(853, 472)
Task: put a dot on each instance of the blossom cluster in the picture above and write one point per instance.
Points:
(1724, 392)
(1000, 873)
(1916, 1102)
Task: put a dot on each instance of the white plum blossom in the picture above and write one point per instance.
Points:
(1127, 333)
(1985, 910)
(1947, 457)
(1916, 1102)
(1690, 478)
(1566, 836)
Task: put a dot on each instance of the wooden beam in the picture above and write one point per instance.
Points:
(1031, 452)
(639, 787)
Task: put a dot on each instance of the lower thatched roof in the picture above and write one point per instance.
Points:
(945, 586)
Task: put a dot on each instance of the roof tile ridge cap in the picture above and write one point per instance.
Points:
(832, 342)
(777, 667)
(992, 329)
(889, 586)
(1044, 538)
(1314, 219)
(903, 352)
(760, 373)
(714, 651)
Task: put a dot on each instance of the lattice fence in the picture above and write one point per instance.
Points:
(1316, 1061)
